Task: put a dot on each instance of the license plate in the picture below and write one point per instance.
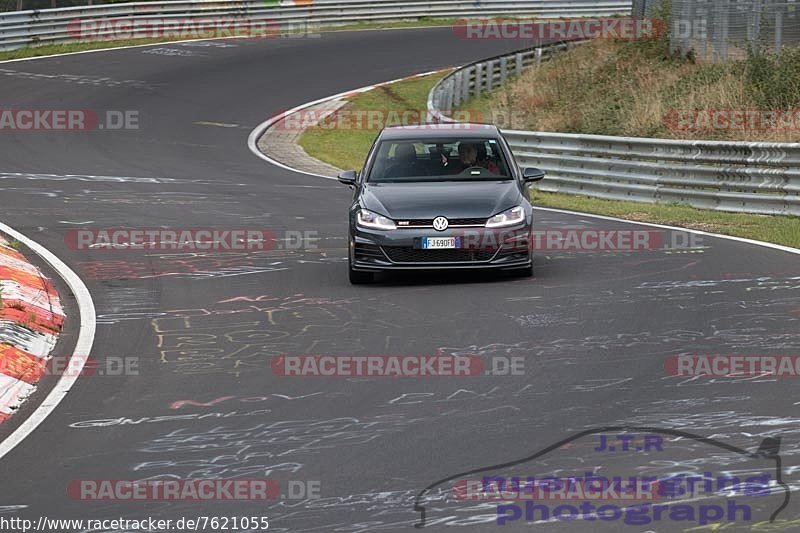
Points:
(440, 243)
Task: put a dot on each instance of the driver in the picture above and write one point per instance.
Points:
(468, 155)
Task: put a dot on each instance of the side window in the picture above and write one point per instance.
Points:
(493, 153)
(511, 165)
(370, 158)
(380, 160)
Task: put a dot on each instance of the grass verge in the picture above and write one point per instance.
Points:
(638, 89)
(776, 229)
(345, 145)
(347, 149)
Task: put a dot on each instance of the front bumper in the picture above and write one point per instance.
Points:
(374, 250)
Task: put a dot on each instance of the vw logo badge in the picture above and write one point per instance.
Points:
(440, 223)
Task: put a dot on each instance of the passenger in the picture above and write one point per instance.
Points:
(405, 163)
(405, 153)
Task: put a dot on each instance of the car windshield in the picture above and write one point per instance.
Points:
(439, 160)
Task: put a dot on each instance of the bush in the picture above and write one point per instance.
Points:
(773, 82)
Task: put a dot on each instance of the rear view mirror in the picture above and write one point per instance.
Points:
(348, 177)
(530, 174)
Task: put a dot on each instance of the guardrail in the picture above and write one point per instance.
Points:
(750, 177)
(51, 26)
(727, 176)
(473, 79)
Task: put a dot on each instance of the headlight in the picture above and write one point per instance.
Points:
(368, 219)
(509, 217)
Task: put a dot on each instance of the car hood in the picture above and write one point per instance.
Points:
(451, 199)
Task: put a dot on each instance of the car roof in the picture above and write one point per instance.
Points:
(459, 130)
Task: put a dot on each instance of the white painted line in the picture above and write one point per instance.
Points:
(216, 124)
(108, 49)
(82, 348)
(676, 228)
(255, 135)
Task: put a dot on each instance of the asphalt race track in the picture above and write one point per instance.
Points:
(593, 329)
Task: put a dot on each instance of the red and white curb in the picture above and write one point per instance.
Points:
(31, 318)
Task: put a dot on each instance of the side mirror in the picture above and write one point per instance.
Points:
(348, 177)
(530, 174)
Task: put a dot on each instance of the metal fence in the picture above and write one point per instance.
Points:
(48, 26)
(727, 176)
(721, 29)
(485, 75)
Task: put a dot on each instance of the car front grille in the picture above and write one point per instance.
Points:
(418, 222)
(407, 254)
